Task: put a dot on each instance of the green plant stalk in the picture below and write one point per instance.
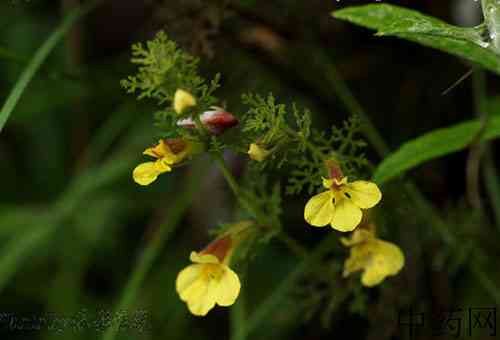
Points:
(292, 244)
(39, 58)
(492, 183)
(264, 311)
(153, 249)
(490, 174)
(235, 188)
(491, 13)
(477, 147)
(238, 318)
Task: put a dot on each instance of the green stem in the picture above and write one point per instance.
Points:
(265, 310)
(477, 147)
(39, 58)
(492, 182)
(236, 189)
(238, 318)
(490, 174)
(152, 250)
(293, 245)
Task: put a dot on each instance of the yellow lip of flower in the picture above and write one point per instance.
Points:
(206, 283)
(183, 100)
(146, 173)
(340, 206)
(257, 153)
(376, 258)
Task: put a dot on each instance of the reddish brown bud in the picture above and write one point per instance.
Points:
(177, 145)
(216, 121)
(334, 170)
(219, 248)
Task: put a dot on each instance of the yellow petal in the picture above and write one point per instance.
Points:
(346, 215)
(228, 288)
(183, 100)
(146, 173)
(327, 182)
(357, 237)
(157, 151)
(319, 209)
(363, 193)
(358, 260)
(387, 260)
(187, 279)
(203, 258)
(204, 302)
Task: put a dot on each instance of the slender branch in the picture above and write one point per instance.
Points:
(477, 146)
(238, 318)
(492, 183)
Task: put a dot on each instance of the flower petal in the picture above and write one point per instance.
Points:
(319, 209)
(346, 215)
(205, 301)
(358, 259)
(146, 173)
(203, 258)
(191, 284)
(387, 260)
(363, 193)
(357, 237)
(327, 182)
(228, 288)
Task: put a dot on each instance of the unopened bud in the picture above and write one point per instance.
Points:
(183, 100)
(216, 121)
(257, 153)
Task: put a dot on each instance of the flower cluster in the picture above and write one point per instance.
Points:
(171, 152)
(269, 135)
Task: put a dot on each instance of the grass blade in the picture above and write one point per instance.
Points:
(39, 58)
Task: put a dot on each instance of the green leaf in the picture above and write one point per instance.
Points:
(411, 25)
(434, 144)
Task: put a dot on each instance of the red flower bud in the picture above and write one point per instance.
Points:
(216, 121)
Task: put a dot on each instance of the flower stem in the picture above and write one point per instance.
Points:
(235, 188)
(490, 174)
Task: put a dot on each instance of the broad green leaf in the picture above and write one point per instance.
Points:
(434, 144)
(411, 25)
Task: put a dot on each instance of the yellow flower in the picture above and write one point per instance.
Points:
(340, 206)
(167, 153)
(183, 100)
(376, 258)
(209, 280)
(257, 153)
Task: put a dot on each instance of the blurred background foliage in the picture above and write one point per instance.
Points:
(73, 224)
